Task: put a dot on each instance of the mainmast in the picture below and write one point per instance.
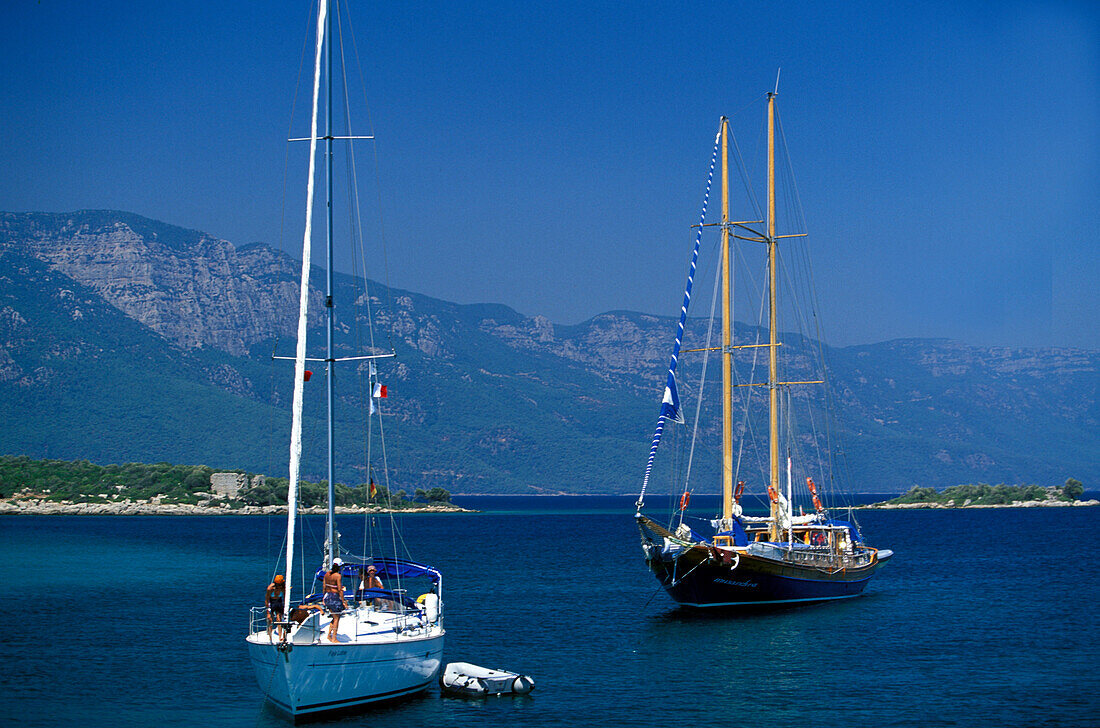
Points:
(330, 525)
(773, 344)
(727, 338)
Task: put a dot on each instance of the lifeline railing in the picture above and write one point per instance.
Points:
(817, 558)
(257, 620)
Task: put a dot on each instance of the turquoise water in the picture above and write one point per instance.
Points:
(983, 616)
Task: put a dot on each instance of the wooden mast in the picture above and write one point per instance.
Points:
(773, 369)
(727, 329)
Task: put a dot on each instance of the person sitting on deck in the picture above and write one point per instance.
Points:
(301, 612)
(334, 599)
(368, 579)
(273, 600)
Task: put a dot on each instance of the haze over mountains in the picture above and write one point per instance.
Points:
(126, 339)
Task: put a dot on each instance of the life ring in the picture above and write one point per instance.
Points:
(684, 500)
(420, 599)
(739, 492)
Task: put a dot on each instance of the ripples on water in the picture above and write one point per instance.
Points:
(983, 616)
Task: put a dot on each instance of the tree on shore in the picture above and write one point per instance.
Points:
(1073, 489)
(439, 495)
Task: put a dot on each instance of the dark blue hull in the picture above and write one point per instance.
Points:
(698, 578)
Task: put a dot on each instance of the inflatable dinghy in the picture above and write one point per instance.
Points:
(462, 678)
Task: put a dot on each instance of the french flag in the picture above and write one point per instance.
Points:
(379, 391)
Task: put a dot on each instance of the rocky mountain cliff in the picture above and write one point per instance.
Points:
(123, 338)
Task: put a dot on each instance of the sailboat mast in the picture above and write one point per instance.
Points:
(727, 326)
(773, 344)
(330, 526)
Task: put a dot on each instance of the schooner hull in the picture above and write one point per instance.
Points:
(695, 579)
(317, 678)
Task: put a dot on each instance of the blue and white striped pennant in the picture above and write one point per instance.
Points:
(670, 401)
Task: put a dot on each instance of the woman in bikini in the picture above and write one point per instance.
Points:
(334, 599)
(273, 600)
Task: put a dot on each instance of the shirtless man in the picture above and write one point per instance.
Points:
(273, 600)
(334, 599)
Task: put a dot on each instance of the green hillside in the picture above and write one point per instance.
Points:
(481, 398)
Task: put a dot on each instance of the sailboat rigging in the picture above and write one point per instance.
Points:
(779, 558)
(359, 645)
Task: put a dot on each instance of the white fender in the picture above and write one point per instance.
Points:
(431, 606)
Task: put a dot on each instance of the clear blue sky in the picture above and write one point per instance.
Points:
(551, 155)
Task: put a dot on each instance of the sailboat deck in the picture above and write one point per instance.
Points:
(363, 624)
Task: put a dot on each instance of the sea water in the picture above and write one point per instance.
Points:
(983, 617)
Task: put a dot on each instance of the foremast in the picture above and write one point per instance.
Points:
(773, 333)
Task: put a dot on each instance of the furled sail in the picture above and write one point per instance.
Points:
(670, 401)
(300, 351)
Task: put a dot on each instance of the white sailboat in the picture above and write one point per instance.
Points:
(386, 645)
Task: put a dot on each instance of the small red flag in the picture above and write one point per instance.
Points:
(307, 375)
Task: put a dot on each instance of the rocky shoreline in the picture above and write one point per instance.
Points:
(1015, 504)
(34, 507)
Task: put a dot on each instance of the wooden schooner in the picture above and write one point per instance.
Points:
(780, 558)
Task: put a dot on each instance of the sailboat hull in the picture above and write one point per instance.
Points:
(318, 678)
(696, 578)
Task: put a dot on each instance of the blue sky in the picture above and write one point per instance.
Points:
(551, 156)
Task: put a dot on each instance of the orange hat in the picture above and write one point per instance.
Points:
(279, 579)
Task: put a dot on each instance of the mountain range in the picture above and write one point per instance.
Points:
(124, 339)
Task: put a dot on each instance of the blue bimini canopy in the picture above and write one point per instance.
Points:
(385, 566)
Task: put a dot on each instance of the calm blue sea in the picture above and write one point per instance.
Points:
(984, 617)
